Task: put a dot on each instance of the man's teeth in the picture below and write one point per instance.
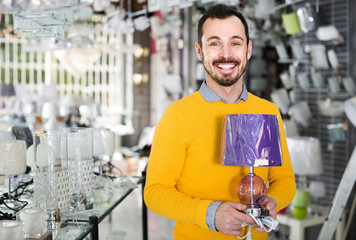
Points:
(224, 66)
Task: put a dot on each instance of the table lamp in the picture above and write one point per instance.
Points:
(305, 155)
(251, 140)
(12, 162)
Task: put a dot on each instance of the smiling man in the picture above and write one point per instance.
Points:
(185, 181)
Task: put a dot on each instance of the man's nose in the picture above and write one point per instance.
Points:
(226, 51)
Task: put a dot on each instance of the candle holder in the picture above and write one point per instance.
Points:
(251, 140)
(34, 222)
(10, 229)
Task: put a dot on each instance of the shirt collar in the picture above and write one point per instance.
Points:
(210, 96)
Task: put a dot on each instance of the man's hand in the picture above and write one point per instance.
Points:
(230, 216)
(270, 204)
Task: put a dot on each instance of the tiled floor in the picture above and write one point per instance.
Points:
(125, 222)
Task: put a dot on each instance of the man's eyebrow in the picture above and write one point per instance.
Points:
(238, 37)
(213, 38)
(218, 38)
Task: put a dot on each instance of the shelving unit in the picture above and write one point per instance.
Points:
(335, 155)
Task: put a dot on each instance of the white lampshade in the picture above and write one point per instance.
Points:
(350, 110)
(290, 128)
(281, 99)
(305, 155)
(301, 113)
(317, 189)
(12, 157)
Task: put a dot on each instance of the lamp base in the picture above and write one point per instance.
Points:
(299, 212)
(257, 211)
(301, 203)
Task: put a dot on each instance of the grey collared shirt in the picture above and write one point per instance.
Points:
(210, 96)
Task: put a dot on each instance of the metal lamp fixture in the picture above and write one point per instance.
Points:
(14, 6)
(42, 18)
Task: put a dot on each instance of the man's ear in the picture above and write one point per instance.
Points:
(249, 49)
(198, 51)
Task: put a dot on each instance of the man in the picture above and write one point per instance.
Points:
(185, 181)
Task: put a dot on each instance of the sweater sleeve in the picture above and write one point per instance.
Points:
(282, 184)
(166, 161)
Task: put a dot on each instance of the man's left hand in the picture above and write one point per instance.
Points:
(270, 204)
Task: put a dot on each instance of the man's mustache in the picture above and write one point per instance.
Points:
(226, 60)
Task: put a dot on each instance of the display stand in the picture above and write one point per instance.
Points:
(343, 192)
(298, 226)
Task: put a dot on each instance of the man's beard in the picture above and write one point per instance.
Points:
(225, 81)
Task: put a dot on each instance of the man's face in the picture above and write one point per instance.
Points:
(224, 51)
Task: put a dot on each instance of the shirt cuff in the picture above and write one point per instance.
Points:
(210, 215)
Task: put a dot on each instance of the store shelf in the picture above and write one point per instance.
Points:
(284, 5)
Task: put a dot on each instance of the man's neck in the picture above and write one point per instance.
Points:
(229, 94)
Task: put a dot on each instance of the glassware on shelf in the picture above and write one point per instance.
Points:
(80, 164)
(103, 146)
(103, 150)
(52, 177)
(12, 162)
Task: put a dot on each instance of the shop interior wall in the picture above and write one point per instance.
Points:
(141, 91)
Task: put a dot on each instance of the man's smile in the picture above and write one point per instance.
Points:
(225, 66)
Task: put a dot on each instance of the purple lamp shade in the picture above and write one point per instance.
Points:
(251, 140)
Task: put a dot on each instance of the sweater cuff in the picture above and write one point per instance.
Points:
(210, 215)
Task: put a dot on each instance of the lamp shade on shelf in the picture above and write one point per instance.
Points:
(251, 140)
(7, 90)
(305, 155)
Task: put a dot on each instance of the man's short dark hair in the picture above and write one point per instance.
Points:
(220, 11)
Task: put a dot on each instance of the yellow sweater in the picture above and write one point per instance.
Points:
(184, 175)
